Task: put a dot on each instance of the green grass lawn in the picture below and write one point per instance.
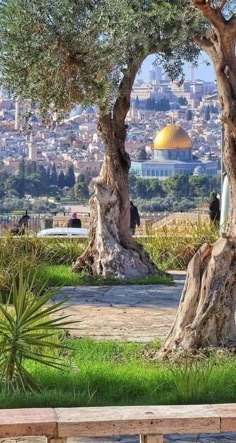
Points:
(61, 275)
(108, 373)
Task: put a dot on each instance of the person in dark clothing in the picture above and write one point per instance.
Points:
(74, 221)
(134, 218)
(22, 225)
(214, 209)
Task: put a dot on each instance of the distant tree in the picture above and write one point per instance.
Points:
(21, 170)
(30, 168)
(207, 114)
(163, 104)
(177, 186)
(48, 176)
(150, 104)
(142, 155)
(214, 109)
(70, 177)
(132, 185)
(81, 191)
(182, 101)
(154, 188)
(61, 180)
(53, 191)
(3, 178)
(21, 177)
(33, 185)
(203, 185)
(53, 176)
(189, 115)
(43, 178)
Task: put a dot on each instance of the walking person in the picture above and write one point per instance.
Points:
(134, 218)
(214, 209)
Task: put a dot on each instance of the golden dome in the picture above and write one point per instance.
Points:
(172, 137)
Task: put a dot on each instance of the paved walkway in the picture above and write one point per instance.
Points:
(123, 313)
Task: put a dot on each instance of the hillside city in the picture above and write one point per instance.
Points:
(73, 143)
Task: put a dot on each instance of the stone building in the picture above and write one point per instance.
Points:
(172, 155)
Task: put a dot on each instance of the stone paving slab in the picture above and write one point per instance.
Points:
(119, 324)
(136, 313)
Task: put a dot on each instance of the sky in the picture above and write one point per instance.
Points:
(202, 72)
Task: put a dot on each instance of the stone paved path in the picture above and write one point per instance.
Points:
(124, 313)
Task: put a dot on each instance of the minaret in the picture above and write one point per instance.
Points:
(17, 114)
(32, 149)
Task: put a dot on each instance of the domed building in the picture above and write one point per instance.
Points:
(198, 171)
(172, 143)
(172, 155)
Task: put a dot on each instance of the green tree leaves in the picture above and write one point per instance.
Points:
(59, 53)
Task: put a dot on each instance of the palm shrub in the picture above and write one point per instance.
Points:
(28, 328)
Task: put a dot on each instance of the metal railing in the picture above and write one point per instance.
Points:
(37, 222)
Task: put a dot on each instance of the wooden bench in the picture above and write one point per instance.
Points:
(151, 423)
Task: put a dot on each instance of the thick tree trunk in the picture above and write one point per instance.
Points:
(206, 314)
(112, 251)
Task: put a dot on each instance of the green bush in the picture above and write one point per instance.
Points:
(170, 249)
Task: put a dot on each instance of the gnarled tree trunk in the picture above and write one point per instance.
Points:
(206, 314)
(112, 251)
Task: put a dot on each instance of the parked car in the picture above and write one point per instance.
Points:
(64, 232)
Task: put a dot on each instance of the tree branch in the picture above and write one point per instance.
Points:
(122, 103)
(222, 5)
(205, 44)
(213, 15)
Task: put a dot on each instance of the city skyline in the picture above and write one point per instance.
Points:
(203, 71)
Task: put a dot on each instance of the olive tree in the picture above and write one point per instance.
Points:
(206, 314)
(63, 52)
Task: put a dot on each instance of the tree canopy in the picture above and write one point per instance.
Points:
(61, 52)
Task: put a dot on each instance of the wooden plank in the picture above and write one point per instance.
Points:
(227, 414)
(151, 438)
(106, 421)
(22, 422)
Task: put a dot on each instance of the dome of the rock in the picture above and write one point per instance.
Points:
(172, 137)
